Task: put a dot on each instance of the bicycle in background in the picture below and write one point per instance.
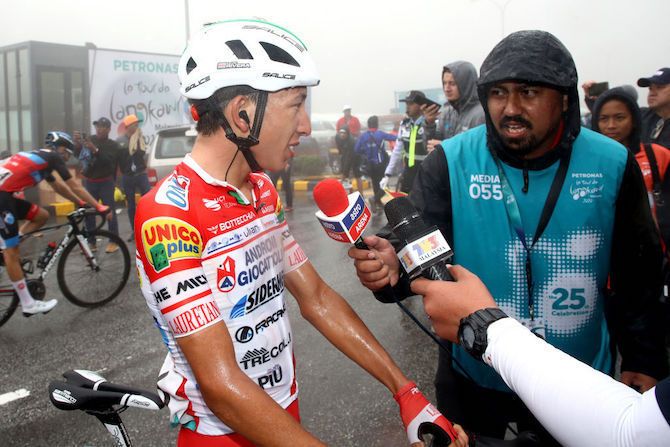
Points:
(87, 274)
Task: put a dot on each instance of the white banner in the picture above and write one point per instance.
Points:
(124, 83)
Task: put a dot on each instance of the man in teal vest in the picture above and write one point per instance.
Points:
(549, 215)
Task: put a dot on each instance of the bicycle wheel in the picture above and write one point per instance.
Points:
(9, 301)
(94, 282)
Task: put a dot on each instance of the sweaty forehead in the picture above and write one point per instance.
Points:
(290, 94)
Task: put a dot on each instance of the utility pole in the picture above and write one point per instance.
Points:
(188, 27)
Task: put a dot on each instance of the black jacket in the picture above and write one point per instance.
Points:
(649, 122)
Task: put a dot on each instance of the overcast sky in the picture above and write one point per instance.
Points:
(366, 50)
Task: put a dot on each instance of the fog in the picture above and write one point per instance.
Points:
(367, 50)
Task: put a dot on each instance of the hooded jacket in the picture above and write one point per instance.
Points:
(463, 114)
(660, 208)
(449, 177)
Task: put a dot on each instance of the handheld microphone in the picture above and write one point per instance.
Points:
(425, 251)
(344, 217)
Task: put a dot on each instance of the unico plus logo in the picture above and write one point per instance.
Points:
(225, 275)
(166, 239)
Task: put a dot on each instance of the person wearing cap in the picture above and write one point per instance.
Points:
(410, 149)
(549, 215)
(99, 170)
(216, 257)
(462, 111)
(349, 121)
(656, 118)
(133, 164)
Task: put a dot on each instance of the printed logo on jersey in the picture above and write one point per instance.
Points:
(222, 242)
(272, 378)
(232, 223)
(166, 239)
(585, 187)
(239, 198)
(194, 318)
(225, 275)
(8, 217)
(265, 293)
(212, 204)
(191, 284)
(255, 357)
(162, 295)
(174, 191)
(279, 211)
(272, 319)
(244, 334)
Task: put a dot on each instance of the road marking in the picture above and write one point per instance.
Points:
(14, 395)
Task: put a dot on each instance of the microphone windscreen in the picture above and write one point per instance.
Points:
(403, 218)
(330, 197)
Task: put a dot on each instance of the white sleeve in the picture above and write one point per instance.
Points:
(578, 405)
(395, 163)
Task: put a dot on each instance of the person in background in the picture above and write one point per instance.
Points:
(577, 404)
(617, 115)
(99, 157)
(351, 164)
(410, 149)
(548, 213)
(287, 184)
(462, 111)
(349, 121)
(370, 146)
(133, 164)
(656, 118)
(21, 171)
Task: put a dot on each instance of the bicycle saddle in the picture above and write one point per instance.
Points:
(88, 391)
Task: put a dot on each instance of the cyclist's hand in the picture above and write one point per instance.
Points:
(420, 417)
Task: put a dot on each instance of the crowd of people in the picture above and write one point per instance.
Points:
(566, 226)
(103, 163)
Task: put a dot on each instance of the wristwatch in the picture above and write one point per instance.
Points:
(472, 330)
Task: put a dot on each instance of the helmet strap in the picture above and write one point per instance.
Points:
(244, 144)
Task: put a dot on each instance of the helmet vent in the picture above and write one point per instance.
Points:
(190, 65)
(279, 55)
(239, 49)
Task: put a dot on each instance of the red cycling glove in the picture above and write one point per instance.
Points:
(102, 209)
(420, 417)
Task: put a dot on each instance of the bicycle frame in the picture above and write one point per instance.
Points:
(73, 223)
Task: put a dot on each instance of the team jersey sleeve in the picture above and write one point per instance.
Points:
(294, 256)
(174, 283)
(57, 164)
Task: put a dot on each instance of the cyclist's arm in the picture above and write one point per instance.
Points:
(73, 190)
(575, 403)
(235, 398)
(331, 315)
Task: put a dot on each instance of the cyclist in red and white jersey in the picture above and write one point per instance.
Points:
(215, 255)
(23, 170)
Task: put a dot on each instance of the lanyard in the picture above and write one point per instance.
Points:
(514, 216)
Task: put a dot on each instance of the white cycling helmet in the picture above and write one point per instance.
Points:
(249, 52)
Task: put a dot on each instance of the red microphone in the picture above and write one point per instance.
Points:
(344, 217)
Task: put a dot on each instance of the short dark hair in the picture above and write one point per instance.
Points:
(373, 122)
(211, 121)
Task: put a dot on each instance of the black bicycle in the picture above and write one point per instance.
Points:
(93, 266)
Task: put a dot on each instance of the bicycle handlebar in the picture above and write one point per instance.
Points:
(78, 215)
